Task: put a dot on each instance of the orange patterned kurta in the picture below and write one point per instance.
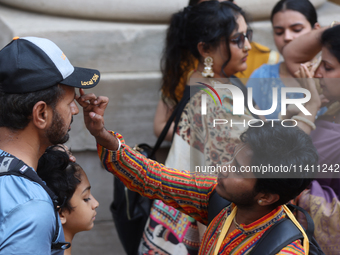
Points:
(189, 193)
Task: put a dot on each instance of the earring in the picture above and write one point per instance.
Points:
(208, 72)
(260, 201)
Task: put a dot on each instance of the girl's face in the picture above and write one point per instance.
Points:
(84, 205)
(329, 74)
(239, 56)
(288, 25)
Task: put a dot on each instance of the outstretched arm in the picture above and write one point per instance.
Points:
(302, 49)
(188, 192)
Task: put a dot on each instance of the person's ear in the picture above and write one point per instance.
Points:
(203, 49)
(316, 26)
(62, 216)
(267, 199)
(40, 114)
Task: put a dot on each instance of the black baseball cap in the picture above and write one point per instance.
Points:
(29, 64)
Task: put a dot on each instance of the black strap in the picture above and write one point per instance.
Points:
(175, 114)
(19, 168)
(310, 223)
(281, 234)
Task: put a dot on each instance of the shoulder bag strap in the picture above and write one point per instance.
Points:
(281, 234)
(177, 112)
(19, 168)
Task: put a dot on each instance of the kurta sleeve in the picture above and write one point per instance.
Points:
(181, 189)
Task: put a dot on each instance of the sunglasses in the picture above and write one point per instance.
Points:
(241, 38)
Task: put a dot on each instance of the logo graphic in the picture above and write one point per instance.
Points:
(238, 100)
(5, 164)
(208, 92)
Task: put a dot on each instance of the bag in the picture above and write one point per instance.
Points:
(281, 234)
(19, 168)
(284, 232)
(130, 211)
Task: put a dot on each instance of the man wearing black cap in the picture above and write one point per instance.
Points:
(37, 92)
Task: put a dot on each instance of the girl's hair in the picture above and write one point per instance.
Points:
(207, 22)
(304, 7)
(60, 175)
(331, 40)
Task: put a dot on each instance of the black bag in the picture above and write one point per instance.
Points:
(130, 211)
(284, 232)
(281, 234)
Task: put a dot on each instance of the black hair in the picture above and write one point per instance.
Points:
(207, 22)
(276, 145)
(304, 7)
(16, 109)
(60, 175)
(331, 40)
(194, 2)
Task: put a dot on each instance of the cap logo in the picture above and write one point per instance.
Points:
(90, 82)
(63, 56)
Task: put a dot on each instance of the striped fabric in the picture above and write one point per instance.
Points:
(188, 192)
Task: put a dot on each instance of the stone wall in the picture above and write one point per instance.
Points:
(127, 52)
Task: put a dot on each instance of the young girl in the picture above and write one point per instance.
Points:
(77, 206)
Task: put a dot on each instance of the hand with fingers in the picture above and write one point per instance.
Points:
(306, 81)
(93, 108)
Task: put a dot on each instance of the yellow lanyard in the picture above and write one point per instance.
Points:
(230, 218)
(297, 224)
(225, 229)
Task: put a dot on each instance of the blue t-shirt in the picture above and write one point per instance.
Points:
(27, 218)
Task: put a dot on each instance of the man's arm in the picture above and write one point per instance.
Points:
(180, 189)
(185, 191)
(302, 49)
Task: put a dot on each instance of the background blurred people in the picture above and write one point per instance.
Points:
(193, 33)
(173, 89)
(321, 200)
(290, 19)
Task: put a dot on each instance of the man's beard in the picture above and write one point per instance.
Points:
(56, 133)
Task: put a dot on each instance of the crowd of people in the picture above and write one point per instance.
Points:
(46, 196)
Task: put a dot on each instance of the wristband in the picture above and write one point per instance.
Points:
(304, 120)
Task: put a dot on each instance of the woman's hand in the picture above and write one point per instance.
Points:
(306, 81)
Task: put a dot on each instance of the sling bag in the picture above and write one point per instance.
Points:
(281, 234)
(19, 168)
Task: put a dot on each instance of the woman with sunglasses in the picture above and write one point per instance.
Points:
(217, 35)
(290, 19)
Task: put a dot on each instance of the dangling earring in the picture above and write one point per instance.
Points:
(208, 72)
